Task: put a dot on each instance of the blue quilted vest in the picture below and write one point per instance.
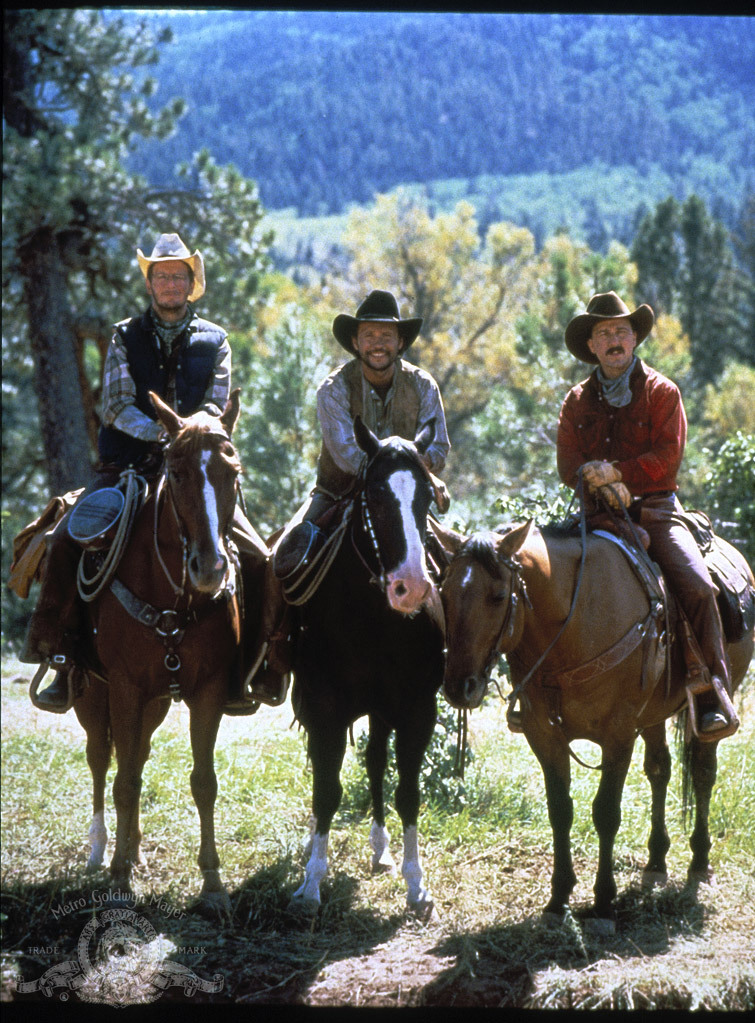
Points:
(194, 369)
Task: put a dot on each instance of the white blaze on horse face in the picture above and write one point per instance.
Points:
(207, 563)
(409, 584)
(467, 577)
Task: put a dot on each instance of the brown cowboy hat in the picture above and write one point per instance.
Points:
(378, 307)
(605, 306)
(170, 246)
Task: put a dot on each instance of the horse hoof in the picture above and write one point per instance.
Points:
(216, 905)
(384, 866)
(301, 907)
(600, 926)
(706, 876)
(551, 920)
(651, 878)
(424, 910)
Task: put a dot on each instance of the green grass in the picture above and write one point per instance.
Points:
(487, 864)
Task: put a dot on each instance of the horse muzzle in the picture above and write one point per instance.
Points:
(207, 573)
(465, 693)
(407, 593)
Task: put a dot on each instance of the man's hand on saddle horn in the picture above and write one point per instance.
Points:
(598, 474)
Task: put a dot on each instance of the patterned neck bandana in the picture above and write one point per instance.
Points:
(617, 392)
(168, 333)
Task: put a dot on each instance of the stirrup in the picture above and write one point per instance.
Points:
(58, 663)
(697, 687)
(514, 718)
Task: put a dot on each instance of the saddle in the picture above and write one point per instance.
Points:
(736, 596)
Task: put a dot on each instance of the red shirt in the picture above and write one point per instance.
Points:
(644, 438)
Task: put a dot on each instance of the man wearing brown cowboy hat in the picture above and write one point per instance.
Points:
(392, 396)
(623, 429)
(185, 359)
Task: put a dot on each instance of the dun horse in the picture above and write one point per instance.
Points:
(168, 624)
(371, 643)
(511, 594)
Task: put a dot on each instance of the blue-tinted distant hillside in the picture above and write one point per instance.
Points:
(326, 108)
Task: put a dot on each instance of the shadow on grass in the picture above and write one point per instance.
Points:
(496, 966)
(264, 954)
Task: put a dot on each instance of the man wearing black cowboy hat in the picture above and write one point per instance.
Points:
(392, 396)
(185, 359)
(624, 429)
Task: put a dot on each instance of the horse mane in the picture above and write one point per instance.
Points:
(483, 547)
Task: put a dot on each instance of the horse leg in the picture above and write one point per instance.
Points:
(411, 744)
(703, 765)
(606, 815)
(553, 753)
(92, 711)
(126, 714)
(657, 766)
(154, 714)
(205, 719)
(376, 758)
(326, 750)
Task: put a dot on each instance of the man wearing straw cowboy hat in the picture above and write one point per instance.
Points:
(185, 359)
(624, 429)
(392, 396)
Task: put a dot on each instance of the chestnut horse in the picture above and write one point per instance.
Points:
(371, 643)
(511, 594)
(168, 625)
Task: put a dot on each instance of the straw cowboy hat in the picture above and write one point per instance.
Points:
(606, 306)
(378, 307)
(170, 246)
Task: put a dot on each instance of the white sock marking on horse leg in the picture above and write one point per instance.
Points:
(97, 840)
(315, 871)
(411, 870)
(381, 853)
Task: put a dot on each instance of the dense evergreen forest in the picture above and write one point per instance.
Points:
(324, 109)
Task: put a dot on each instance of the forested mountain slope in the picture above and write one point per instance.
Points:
(327, 108)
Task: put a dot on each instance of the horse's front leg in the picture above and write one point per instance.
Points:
(411, 744)
(326, 748)
(606, 815)
(92, 711)
(205, 716)
(657, 765)
(153, 716)
(552, 750)
(701, 760)
(376, 758)
(126, 717)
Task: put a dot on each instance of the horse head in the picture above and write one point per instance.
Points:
(201, 472)
(395, 495)
(483, 599)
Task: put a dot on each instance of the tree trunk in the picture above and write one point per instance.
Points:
(56, 373)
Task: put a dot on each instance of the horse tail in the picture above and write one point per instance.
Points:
(684, 750)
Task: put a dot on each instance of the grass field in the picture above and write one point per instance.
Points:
(487, 864)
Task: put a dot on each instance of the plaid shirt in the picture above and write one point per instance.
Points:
(644, 438)
(119, 392)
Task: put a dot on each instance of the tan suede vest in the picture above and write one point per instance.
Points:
(405, 414)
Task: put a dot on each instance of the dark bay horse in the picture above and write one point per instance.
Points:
(371, 643)
(511, 594)
(177, 575)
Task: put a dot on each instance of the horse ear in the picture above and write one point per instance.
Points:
(366, 439)
(231, 411)
(425, 436)
(169, 419)
(512, 541)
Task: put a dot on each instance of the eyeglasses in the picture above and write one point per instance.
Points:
(620, 333)
(175, 278)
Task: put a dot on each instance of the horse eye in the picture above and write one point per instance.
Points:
(498, 597)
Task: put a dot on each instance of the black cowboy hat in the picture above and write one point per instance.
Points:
(606, 306)
(378, 307)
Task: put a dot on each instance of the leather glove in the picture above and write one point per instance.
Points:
(615, 495)
(442, 496)
(597, 474)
